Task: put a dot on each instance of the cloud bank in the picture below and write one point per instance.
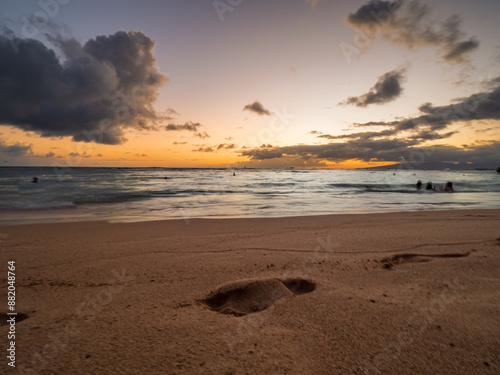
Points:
(92, 93)
(410, 24)
(15, 150)
(405, 138)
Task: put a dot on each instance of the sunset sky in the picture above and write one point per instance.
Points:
(257, 83)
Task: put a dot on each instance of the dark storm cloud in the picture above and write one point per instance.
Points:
(92, 93)
(386, 89)
(410, 24)
(257, 108)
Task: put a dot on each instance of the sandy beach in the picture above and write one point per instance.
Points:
(394, 293)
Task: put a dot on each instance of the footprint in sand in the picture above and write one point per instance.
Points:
(250, 296)
(19, 317)
(389, 262)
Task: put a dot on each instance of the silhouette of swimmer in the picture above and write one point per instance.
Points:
(429, 186)
(234, 173)
(34, 180)
(419, 185)
(449, 187)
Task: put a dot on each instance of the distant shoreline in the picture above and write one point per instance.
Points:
(384, 168)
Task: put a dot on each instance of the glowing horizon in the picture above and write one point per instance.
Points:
(276, 85)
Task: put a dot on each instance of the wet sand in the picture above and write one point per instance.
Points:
(412, 292)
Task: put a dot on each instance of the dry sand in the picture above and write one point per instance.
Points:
(396, 293)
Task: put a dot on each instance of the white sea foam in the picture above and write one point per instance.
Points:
(135, 194)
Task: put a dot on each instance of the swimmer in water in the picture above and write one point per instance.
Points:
(449, 187)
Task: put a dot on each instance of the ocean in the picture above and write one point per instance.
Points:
(141, 194)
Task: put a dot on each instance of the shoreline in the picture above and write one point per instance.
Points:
(139, 195)
(349, 294)
(34, 217)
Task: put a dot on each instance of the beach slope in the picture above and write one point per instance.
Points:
(393, 293)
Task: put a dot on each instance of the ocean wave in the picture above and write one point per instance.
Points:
(257, 192)
(133, 196)
(277, 184)
(25, 206)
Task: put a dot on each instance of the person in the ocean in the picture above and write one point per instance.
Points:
(34, 180)
(429, 186)
(449, 187)
(234, 173)
(419, 185)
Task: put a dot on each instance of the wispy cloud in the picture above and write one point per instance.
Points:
(216, 148)
(258, 108)
(188, 126)
(386, 89)
(204, 149)
(226, 146)
(410, 24)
